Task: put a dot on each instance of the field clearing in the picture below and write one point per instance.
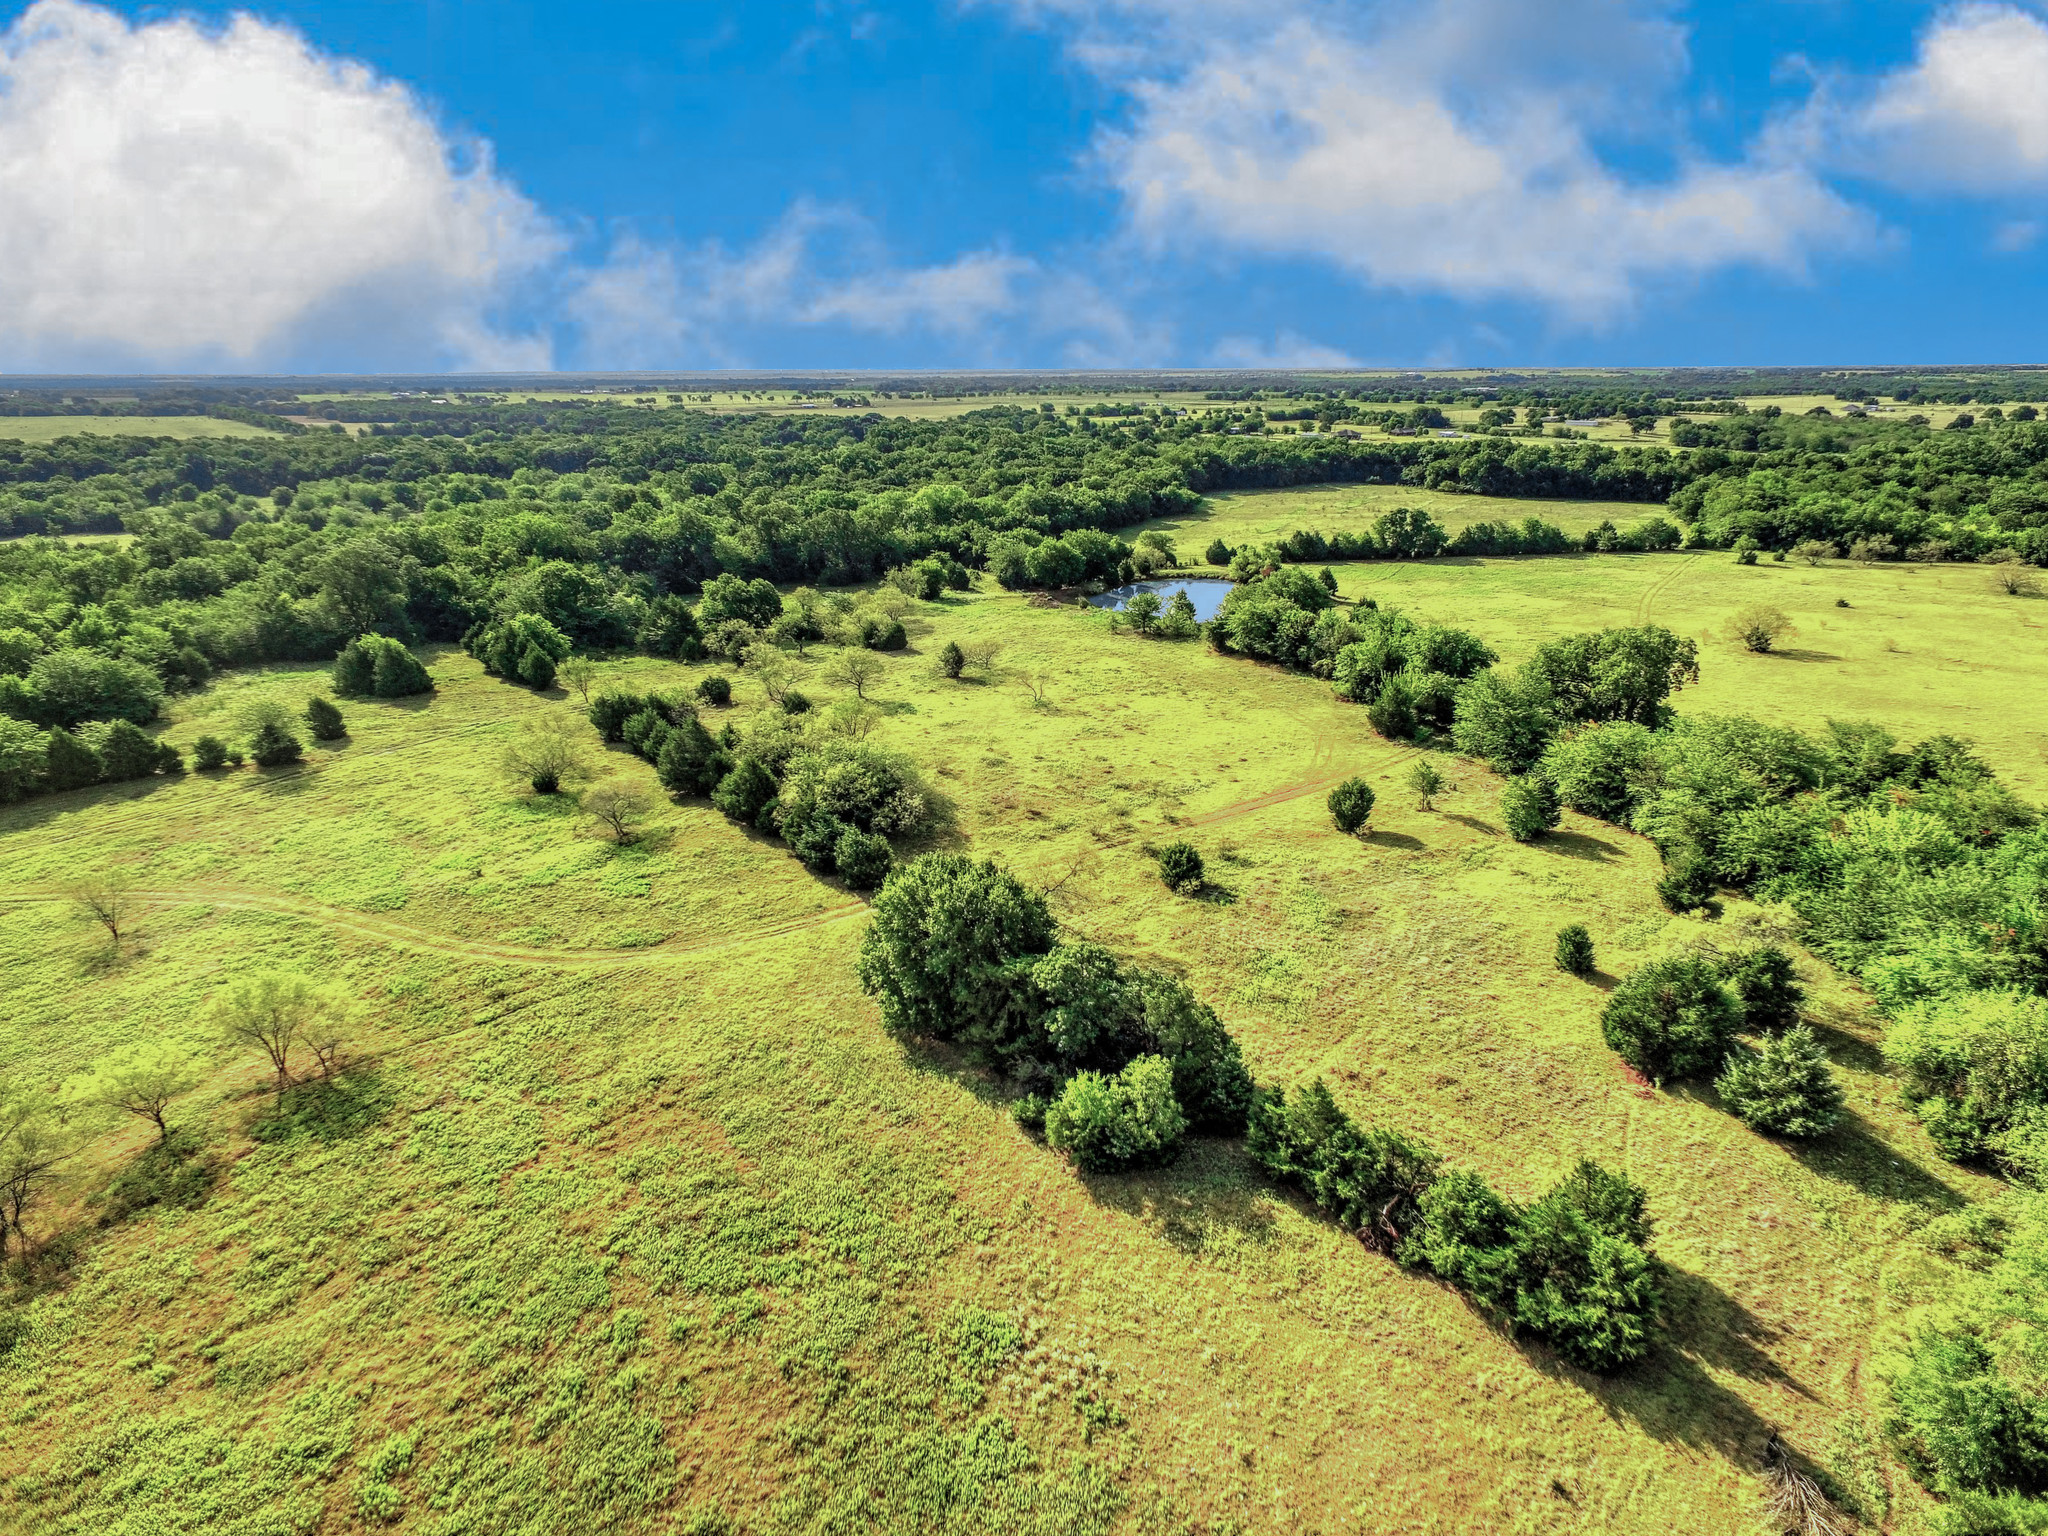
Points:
(47, 429)
(1919, 648)
(1257, 517)
(640, 1214)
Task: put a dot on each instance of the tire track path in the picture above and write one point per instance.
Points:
(1647, 603)
(409, 936)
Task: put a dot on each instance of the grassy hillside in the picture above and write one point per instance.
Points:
(635, 1220)
(1258, 517)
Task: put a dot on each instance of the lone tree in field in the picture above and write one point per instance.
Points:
(33, 1142)
(142, 1081)
(618, 808)
(1760, 627)
(275, 1013)
(324, 720)
(1351, 804)
(1180, 866)
(544, 754)
(1575, 950)
(1427, 782)
(1530, 807)
(578, 672)
(1784, 1087)
(1813, 551)
(856, 669)
(2015, 580)
(105, 899)
(952, 660)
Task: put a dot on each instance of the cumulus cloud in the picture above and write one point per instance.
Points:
(176, 196)
(1446, 148)
(1969, 114)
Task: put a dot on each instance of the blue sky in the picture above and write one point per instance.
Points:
(1029, 183)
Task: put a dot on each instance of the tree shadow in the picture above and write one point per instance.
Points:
(894, 706)
(1380, 839)
(1202, 1201)
(1853, 1154)
(1214, 895)
(1473, 822)
(1582, 845)
(1801, 655)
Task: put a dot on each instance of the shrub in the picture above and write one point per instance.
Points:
(1369, 1179)
(273, 746)
(1599, 770)
(1426, 780)
(859, 784)
(1210, 1080)
(690, 762)
(1110, 1124)
(618, 808)
(1468, 1237)
(379, 667)
(1575, 950)
(1976, 1065)
(324, 720)
(1759, 627)
(863, 858)
(1687, 883)
(1530, 807)
(1218, 552)
(671, 629)
(1585, 1280)
(1784, 1088)
(796, 703)
(745, 792)
(124, 751)
(524, 647)
(544, 755)
(715, 689)
(729, 598)
(69, 763)
(1961, 1424)
(1180, 866)
(1507, 719)
(1672, 1018)
(611, 709)
(952, 660)
(1767, 985)
(1393, 711)
(1351, 804)
(209, 752)
(940, 952)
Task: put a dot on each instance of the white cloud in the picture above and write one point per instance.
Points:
(1445, 148)
(662, 306)
(1288, 350)
(177, 197)
(1969, 114)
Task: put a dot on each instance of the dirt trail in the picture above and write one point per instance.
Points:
(391, 931)
(1656, 589)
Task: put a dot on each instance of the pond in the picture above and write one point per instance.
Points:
(1205, 592)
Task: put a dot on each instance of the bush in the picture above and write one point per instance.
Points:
(715, 690)
(1767, 985)
(209, 752)
(690, 762)
(1687, 883)
(1468, 1237)
(1759, 626)
(610, 711)
(1784, 1088)
(1530, 807)
(745, 792)
(1180, 866)
(525, 648)
(324, 720)
(1110, 1124)
(796, 703)
(940, 954)
(273, 746)
(1351, 804)
(1585, 1280)
(1218, 552)
(69, 763)
(1368, 1179)
(863, 858)
(1975, 1064)
(1575, 950)
(1506, 719)
(1210, 1080)
(124, 751)
(1672, 1018)
(952, 660)
(377, 666)
(1963, 1425)
(1599, 770)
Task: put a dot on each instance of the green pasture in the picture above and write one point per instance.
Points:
(632, 1219)
(1259, 517)
(47, 429)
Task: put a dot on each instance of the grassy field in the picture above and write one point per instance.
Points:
(636, 1220)
(46, 429)
(1255, 517)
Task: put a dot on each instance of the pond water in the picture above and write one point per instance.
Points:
(1205, 592)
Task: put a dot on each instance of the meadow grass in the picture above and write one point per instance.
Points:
(632, 1218)
(47, 429)
(1260, 517)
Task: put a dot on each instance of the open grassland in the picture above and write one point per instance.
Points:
(1260, 517)
(47, 429)
(1919, 648)
(636, 1218)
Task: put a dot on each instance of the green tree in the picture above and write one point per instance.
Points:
(942, 953)
(275, 1013)
(1575, 950)
(1143, 611)
(545, 755)
(1585, 1279)
(1687, 883)
(863, 858)
(1784, 1087)
(273, 746)
(141, 1081)
(1530, 807)
(68, 762)
(858, 670)
(745, 792)
(578, 673)
(1112, 1124)
(1180, 866)
(952, 660)
(1218, 552)
(1759, 627)
(324, 720)
(379, 667)
(23, 752)
(1505, 718)
(618, 808)
(1767, 985)
(209, 752)
(690, 762)
(1426, 782)
(1671, 1019)
(1350, 804)
(34, 1142)
(1616, 674)
(715, 690)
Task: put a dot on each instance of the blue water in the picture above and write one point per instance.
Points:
(1205, 592)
